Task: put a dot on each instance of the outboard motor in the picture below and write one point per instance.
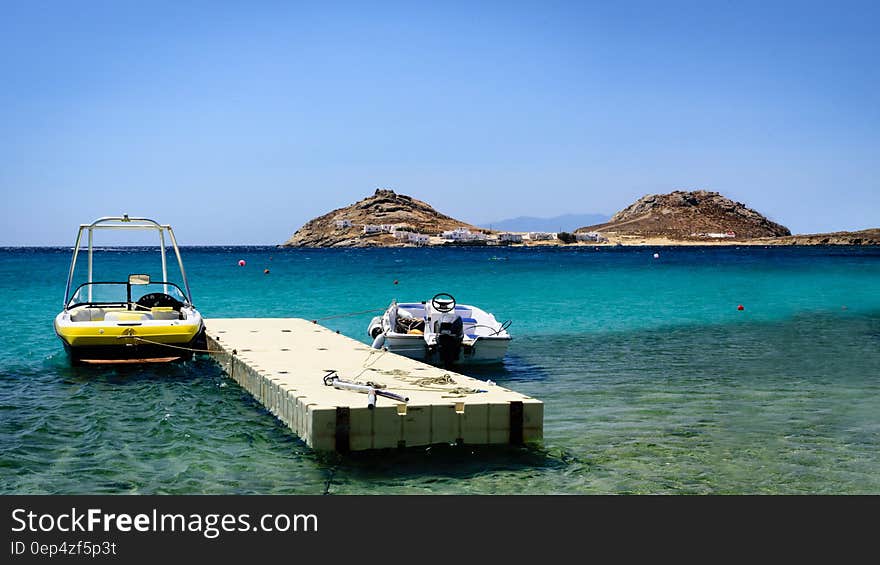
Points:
(375, 328)
(450, 333)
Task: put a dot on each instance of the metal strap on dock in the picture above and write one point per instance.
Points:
(516, 422)
(343, 429)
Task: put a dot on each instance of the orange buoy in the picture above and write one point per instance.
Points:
(265, 271)
(740, 307)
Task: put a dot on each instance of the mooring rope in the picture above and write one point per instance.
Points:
(436, 384)
(194, 350)
(368, 364)
(333, 317)
(443, 379)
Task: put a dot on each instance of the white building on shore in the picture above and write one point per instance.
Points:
(541, 235)
(342, 224)
(418, 238)
(511, 237)
(411, 237)
(457, 234)
(463, 234)
(371, 229)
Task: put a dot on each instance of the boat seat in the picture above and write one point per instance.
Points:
(164, 313)
(87, 314)
(127, 316)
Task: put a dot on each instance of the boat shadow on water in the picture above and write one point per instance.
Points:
(198, 368)
(514, 369)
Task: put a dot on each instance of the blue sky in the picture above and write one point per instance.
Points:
(237, 122)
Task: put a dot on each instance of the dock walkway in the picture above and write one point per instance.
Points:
(283, 363)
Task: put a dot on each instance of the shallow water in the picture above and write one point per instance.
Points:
(653, 381)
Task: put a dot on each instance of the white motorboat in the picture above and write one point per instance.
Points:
(133, 321)
(440, 331)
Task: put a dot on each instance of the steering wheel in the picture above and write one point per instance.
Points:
(443, 302)
(158, 299)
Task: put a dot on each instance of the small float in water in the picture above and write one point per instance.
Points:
(134, 321)
(442, 332)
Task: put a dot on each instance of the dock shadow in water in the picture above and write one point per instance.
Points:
(438, 463)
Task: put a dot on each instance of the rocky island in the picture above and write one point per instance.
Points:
(374, 221)
(687, 217)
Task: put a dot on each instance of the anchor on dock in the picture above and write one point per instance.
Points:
(332, 379)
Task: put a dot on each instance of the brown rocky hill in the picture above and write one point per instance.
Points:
(383, 207)
(685, 215)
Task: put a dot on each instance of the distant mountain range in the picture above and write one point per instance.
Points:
(566, 222)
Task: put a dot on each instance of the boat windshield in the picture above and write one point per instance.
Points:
(102, 293)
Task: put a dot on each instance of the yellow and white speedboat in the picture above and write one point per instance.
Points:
(132, 321)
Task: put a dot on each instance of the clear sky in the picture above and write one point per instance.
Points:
(236, 122)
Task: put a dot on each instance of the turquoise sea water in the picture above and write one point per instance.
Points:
(653, 381)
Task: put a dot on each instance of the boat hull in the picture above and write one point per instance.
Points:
(412, 346)
(485, 351)
(101, 342)
(110, 354)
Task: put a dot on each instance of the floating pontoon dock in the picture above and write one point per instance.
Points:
(285, 362)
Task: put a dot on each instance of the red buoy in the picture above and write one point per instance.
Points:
(265, 271)
(242, 263)
(740, 307)
(395, 281)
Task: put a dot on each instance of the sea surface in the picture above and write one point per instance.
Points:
(653, 381)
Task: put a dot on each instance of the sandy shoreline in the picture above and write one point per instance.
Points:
(855, 238)
(868, 237)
